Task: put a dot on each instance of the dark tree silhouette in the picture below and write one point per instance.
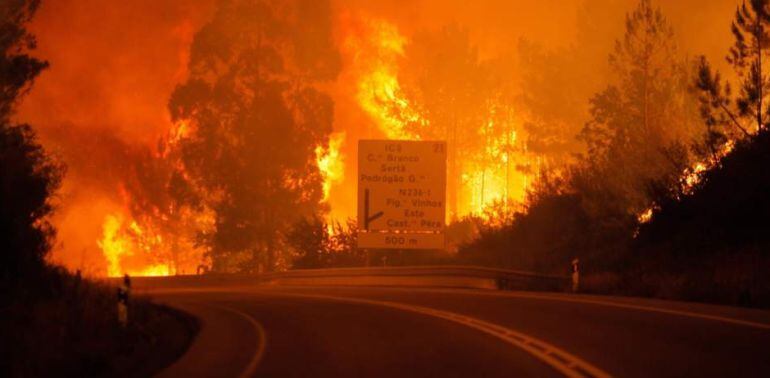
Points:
(314, 247)
(28, 177)
(17, 68)
(640, 124)
(311, 242)
(256, 116)
(716, 235)
(729, 115)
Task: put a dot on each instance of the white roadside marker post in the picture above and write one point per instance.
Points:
(575, 275)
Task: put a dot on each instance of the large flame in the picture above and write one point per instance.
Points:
(330, 162)
(123, 241)
(497, 176)
(146, 248)
(375, 53)
(375, 47)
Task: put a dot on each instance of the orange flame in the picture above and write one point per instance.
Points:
(493, 176)
(331, 163)
(375, 55)
(693, 176)
(121, 241)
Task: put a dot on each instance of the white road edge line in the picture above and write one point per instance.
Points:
(562, 298)
(565, 363)
(249, 370)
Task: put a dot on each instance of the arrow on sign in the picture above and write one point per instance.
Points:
(367, 218)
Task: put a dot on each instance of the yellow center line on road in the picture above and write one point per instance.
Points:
(251, 367)
(599, 302)
(567, 364)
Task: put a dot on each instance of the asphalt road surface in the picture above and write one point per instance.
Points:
(277, 331)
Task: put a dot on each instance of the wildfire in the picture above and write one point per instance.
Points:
(496, 176)
(693, 176)
(375, 56)
(112, 246)
(492, 173)
(180, 130)
(330, 162)
(645, 216)
(121, 241)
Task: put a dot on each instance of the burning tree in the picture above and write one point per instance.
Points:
(467, 102)
(552, 99)
(443, 75)
(638, 137)
(722, 247)
(256, 118)
(641, 126)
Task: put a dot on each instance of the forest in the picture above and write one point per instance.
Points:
(617, 141)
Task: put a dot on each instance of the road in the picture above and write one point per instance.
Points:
(281, 331)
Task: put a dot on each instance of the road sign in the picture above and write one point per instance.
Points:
(401, 194)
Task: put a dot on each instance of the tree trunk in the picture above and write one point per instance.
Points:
(507, 167)
(760, 82)
(483, 181)
(453, 190)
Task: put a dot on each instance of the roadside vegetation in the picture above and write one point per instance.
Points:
(53, 322)
(667, 197)
(68, 326)
(671, 199)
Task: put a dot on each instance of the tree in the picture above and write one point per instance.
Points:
(168, 219)
(555, 82)
(738, 116)
(443, 77)
(637, 142)
(310, 240)
(552, 98)
(639, 124)
(28, 177)
(256, 116)
(17, 68)
(715, 237)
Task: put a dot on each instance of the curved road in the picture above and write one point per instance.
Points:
(275, 331)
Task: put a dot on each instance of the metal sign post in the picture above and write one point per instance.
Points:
(401, 194)
(124, 292)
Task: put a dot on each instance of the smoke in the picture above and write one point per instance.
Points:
(102, 104)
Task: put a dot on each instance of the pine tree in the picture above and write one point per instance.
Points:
(28, 176)
(732, 116)
(640, 122)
